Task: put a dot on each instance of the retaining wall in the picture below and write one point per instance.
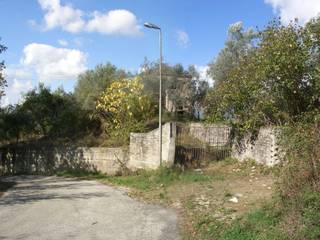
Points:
(263, 148)
(144, 148)
(211, 134)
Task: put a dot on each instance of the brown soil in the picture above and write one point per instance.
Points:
(250, 185)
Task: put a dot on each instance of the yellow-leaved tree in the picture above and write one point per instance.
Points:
(125, 107)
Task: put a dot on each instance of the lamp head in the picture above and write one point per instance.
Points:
(151, 25)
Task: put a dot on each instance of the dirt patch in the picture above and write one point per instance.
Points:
(231, 190)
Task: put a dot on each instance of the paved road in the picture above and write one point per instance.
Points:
(59, 208)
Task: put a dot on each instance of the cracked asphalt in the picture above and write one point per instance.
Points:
(40, 207)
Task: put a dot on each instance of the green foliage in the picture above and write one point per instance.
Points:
(43, 114)
(239, 43)
(162, 177)
(260, 224)
(301, 164)
(146, 180)
(275, 83)
(184, 85)
(53, 114)
(93, 82)
(299, 178)
(14, 123)
(3, 82)
(310, 220)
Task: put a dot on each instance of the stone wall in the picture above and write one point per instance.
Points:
(50, 159)
(144, 148)
(212, 134)
(143, 151)
(105, 160)
(264, 148)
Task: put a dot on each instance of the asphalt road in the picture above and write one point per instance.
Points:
(60, 208)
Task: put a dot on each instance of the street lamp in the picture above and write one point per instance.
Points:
(153, 26)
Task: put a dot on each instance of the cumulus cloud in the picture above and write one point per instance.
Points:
(51, 63)
(183, 38)
(118, 21)
(291, 9)
(70, 19)
(66, 17)
(19, 82)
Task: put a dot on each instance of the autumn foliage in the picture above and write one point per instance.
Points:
(124, 107)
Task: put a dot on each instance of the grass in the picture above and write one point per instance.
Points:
(147, 180)
(261, 224)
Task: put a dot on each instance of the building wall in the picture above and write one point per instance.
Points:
(144, 148)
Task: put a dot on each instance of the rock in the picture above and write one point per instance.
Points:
(202, 201)
(177, 205)
(198, 170)
(239, 195)
(234, 200)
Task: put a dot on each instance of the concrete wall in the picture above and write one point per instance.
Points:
(264, 149)
(144, 148)
(212, 134)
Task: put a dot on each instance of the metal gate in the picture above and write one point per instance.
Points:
(198, 144)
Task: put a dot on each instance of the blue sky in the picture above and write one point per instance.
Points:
(52, 41)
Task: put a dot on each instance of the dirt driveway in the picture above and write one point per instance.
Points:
(59, 208)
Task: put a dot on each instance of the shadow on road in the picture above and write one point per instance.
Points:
(31, 189)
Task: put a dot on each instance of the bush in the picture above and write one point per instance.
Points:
(299, 185)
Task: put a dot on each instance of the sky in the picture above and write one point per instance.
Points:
(53, 41)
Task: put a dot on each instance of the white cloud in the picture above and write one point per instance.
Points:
(203, 72)
(51, 63)
(183, 38)
(291, 9)
(120, 21)
(66, 17)
(14, 72)
(15, 90)
(19, 82)
(63, 42)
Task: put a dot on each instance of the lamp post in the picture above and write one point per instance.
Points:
(153, 26)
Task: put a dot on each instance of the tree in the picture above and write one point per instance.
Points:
(3, 82)
(93, 82)
(184, 85)
(125, 107)
(53, 114)
(238, 44)
(276, 83)
(14, 124)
